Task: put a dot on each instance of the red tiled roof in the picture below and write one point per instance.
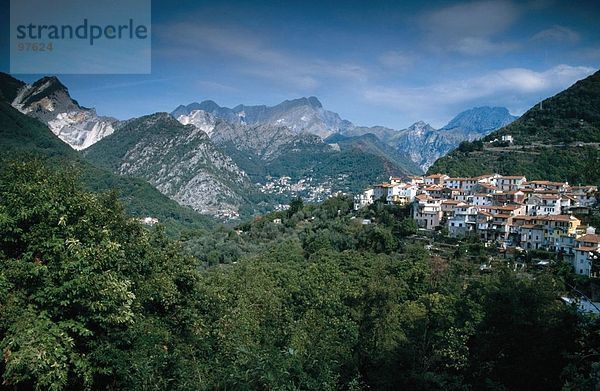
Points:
(586, 249)
(592, 238)
(531, 226)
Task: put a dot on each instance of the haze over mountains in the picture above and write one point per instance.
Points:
(228, 162)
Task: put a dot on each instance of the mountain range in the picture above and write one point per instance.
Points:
(424, 145)
(420, 143)
(23, 137)
(304, 115)
(557, 139)
(179, 160)
(228, 162)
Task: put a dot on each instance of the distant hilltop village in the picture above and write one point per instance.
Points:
(508, 210)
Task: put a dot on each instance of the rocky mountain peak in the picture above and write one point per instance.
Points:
(208, 105)
(200, 119)
(49, 101)
(481, 120)
(47, 94)
(302, 115)
(9, 87)
(420, 126)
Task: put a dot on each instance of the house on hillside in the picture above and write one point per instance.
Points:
(435, 179)
(363, 199)
(588, 247)
(427, 212)
(510, 182)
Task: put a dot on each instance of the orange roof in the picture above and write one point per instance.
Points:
(511, 177)
(546, 218)
(592, 238)
(505, 207)
(549, 183)
(452, 202)
(550, 196)
(586, 249)
(531, 226)
(488, 186)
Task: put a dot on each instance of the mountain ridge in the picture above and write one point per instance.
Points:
(49, 101)
(556, 139)
(23, 137)
(179, 160)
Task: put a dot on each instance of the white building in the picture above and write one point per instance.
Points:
(482, 199)
(463, 222)
(584, 195)
(435, 179)
(510, 182)
(427, 212)
(363, 199)
(587, 246)
(507, 138)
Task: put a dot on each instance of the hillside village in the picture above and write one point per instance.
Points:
(508, 211)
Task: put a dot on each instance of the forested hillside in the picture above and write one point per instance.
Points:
(22, 137)
(309, 298)
(557, 139)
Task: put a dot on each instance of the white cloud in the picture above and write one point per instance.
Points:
(477, 46)
(397, 60)
(253, 55)
(557, 34)
(473, 18)
(515, 88)
(469, 28)
(213, 86)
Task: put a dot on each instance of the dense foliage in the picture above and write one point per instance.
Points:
(313, 299)
(576, 165)
(22, 137)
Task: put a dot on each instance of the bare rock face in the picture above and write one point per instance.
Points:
(303, 115)
(424, 144)
(49, 101)
(179, 160)
(264, 141)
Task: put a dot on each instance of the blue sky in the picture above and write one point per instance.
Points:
(385, 63)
